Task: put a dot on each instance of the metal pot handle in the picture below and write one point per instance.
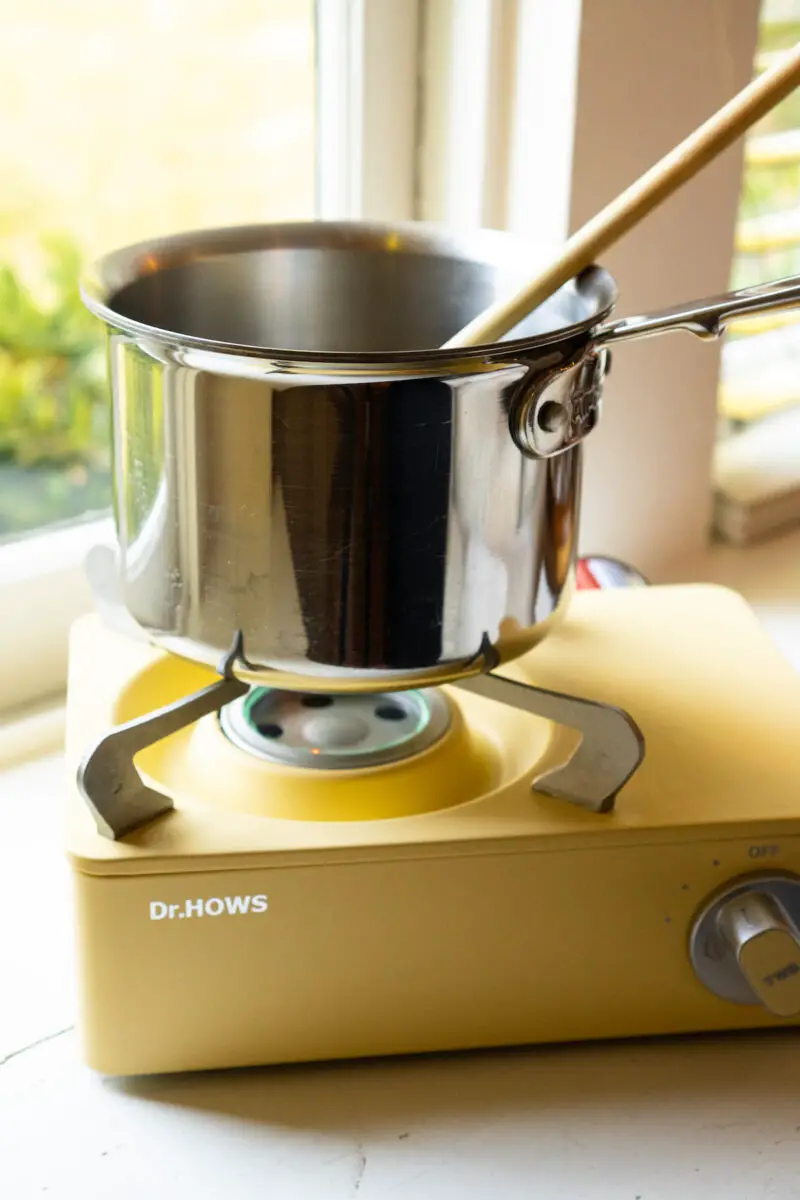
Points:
(704, 318)
(554, 410)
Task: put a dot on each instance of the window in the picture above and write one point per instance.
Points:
(124, 122)
(757, 461)
(121, 122)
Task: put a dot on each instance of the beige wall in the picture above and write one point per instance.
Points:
(650, 72)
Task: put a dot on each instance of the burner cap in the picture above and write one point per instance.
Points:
(335, 732)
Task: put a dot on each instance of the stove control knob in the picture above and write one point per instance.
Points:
(745, 945)
(767, 949)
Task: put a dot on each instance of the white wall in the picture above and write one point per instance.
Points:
(649, 72)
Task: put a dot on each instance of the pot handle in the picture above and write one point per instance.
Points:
(704, 318)
(554, 410)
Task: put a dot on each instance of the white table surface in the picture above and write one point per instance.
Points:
(675, 1119)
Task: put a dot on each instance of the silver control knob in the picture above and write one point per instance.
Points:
(767, 949)
(745, 945)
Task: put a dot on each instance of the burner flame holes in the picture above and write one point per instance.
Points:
(270, 730)
(335, 732)
(390, 712)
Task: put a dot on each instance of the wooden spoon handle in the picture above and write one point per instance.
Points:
(627, 209)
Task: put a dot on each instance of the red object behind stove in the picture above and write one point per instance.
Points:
(597, 572)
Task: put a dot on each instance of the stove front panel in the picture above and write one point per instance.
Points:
(206, 970)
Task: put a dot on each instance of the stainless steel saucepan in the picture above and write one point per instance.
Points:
(304, 484)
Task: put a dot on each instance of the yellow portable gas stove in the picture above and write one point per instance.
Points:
(512, 859)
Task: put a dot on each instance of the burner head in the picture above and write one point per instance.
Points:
(335, 732)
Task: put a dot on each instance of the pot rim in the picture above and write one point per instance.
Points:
(111, 273)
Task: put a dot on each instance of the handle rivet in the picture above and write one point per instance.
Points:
(552, 417)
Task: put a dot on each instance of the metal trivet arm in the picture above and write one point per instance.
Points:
(108, 780)
(611, 747)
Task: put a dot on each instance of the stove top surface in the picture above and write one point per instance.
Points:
(718, 706)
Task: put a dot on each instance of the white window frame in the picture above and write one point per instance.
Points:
(42, 591)
(367, 108)
(463, 112)
(478, 165)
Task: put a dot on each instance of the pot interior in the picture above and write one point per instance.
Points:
(335, 288)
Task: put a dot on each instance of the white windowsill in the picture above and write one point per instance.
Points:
(766, 574)
(33, 733)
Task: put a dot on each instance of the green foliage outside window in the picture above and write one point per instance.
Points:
(54, 415)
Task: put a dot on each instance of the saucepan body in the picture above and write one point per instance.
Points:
(304, 485)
